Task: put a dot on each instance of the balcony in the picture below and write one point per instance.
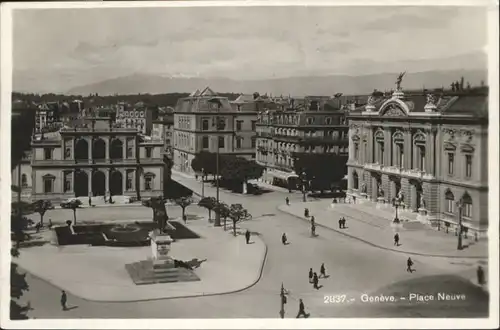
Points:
(287, 138)
(326, 139)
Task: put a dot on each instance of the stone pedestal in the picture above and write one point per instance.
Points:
(422, 215)
(380, 202)
(160, 247)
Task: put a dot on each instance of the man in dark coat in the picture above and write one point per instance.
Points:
(409, 263)
(310, 275)
(340, 223)
(247, 236)
(301, 309)
(284, 239)
(287, 200)
(480, 275)
(322, 270)
(396, 239)
(315, 281)
(64, 299)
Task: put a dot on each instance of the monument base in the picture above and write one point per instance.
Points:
(159, 271)
(422, 215)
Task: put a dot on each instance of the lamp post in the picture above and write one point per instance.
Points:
(219, 105)
(460, 205)
(304, 187)
(396, 203)
(202, 183)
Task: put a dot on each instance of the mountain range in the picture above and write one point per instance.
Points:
(297, 86)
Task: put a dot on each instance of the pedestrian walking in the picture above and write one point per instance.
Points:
(310, 275)
(287, 200)
(90, 201)
(315, 281)
(313, 230)
(64, 299)
(354, 199)
(343, 222)
(396, 239)
(37, 227)
(409, 263)
(306, 212)
(340, 223)
(313, 220)
(302, 310)
(247, 236)
(283, 239)
(480, 275)
(322, 270)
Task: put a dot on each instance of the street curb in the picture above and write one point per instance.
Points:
(261, 270)
(379, 246)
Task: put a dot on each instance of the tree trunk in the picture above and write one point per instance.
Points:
(209, 215)
(41, 219)
(234, 227)
(74, 216)
(217, 220)
(184, 214)
(225, 220)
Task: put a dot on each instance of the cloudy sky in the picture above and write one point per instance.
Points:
(62, 48)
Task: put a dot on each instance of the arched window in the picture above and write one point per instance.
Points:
(450, 201)
(355, 180)
(467, 206)
(380, 150)
(24, 180)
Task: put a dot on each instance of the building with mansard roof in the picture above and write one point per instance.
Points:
(205, 121)
(425, 152)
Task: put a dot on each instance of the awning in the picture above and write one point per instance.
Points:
(283, 175)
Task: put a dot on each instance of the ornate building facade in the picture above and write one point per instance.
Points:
(200, 124)
(139, 116)
(319, 126)
(94, 157)
(426, 151)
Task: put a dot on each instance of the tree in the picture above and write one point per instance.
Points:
(18, 286)
(236, 213)
(322, 170)
(184, 202)
(223, 210)
(41, 206)
(209, 203)
(205, 163)
(74, 204)
(239, 170)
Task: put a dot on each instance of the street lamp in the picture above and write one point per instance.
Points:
(304, 187)
(202, 182)
(460, 205)
(219, 105)
(396, 203)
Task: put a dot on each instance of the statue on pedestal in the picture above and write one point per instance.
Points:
(380, 192)
(400, 196)
(363, 188)
(422, 201)
(399, 80)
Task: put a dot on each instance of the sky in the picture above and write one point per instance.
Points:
(58, 49)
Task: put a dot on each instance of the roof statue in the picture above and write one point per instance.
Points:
(399, 80)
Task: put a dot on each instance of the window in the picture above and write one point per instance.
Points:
(67, 181)
(328, 120)
(451, 163)
(48, 184)
(356, 151)
(238, 125)
(253, 142)
(450, 202)
(310, 120)
(205, 142)
(401, 156)
(238, 106)
(129, 152)
(149, 151)
(129, 179)
(148, 183)
(221, 142)
(468, 166)
(253, 125)
(421, 158)
(204, 125)
(238, 143)
(47, 152)
(467, 207)
(24, 180)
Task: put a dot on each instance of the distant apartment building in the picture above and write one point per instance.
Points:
(427, 151)
(50, 116)
(205, 121)
(312, 125)
(163, 129)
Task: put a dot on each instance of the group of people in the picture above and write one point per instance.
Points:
(342, 222)
(314, 278)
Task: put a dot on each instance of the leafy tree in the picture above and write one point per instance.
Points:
(41, 206)
(239, 170)
(74, 205)
(184, 202)
(205, 162)
(209, 203)
(236, 213)
(223, 210)
(322, 170)
(18, 286)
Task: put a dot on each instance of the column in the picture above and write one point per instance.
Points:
(124, 180)
(414, 197)
(374, 188)
(349, 179)
(73, 182)
(90, 142)
(408, 149)
(387, 146)
(370, 145)
(108, 145)
(107, 173)
(124, 148)
(393, 191)
(429, 152)
(89, 176)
